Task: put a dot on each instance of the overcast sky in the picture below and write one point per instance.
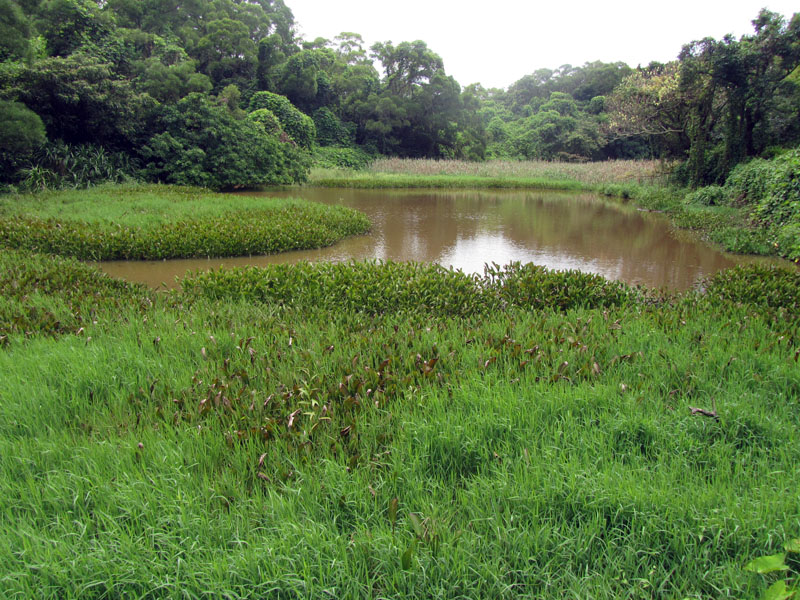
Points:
(496, 42)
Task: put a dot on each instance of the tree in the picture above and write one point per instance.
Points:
(227, 54)
(734, 90)
(303, 78)
(69, 25)
(648, 104)
(298, 126)
(21, 133)
(406, 66)
(80, 101)
(15, 32)
(203, 144)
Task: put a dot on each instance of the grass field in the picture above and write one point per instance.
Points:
(316, 432)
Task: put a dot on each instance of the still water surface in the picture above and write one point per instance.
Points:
(465, 229)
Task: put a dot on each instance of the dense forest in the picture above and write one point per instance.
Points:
(224, 94)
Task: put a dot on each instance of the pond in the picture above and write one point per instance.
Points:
(465, 229)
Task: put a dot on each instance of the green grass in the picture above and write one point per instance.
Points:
(222, 441)
(158, 222)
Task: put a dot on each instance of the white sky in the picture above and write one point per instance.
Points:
(496, 42)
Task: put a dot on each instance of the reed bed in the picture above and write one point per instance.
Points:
(593, 173)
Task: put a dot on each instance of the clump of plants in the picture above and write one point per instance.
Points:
(785, 564)
(381, 287)
(181, 224)
(54, 295)
(758, 286)
(768, 191)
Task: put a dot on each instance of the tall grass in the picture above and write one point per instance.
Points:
(613, 171)
(217, 446)
(404, 173)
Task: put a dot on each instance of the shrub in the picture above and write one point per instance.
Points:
(330, 157)
(298, 126)
(748, 182)
(21, 132)
(267, 119)
(205, 145)
(781, 202)
(712, 195)
(330, 130)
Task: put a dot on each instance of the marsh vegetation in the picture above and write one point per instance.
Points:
(374, 430)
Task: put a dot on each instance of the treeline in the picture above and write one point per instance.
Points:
(224, 94)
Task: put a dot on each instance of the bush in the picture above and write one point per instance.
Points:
(330, 157)
(712, 195)
(267, 119)
(748, 182)
(781, 202)
(297, 125)
(203, 144)
(330, 130)
(21, 132)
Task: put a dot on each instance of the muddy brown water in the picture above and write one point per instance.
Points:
(466, 229)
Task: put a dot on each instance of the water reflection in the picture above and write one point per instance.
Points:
(466, 229)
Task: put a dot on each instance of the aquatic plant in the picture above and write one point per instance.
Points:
(159, 229)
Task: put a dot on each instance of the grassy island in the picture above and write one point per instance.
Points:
(157, 222)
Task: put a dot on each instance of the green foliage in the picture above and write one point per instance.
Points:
(71, 25)
(204, 227)
(58, 165)
(267, 119)
(711, 195)
(15, 32)
(736, 93)
(330, 130)
(536, 287)
(785, 563)
(50, 295)
(767, 287)
(381, 287)
(226, 52)
(331, 157)
(437, 446)
(299, 127)
(781, 202)
(204, 144)
(21, 133)
(303, 79)
(80, 101)
(771, 189)
(748, 182)
(170, 83)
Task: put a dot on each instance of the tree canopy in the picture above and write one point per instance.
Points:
(124, 76)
